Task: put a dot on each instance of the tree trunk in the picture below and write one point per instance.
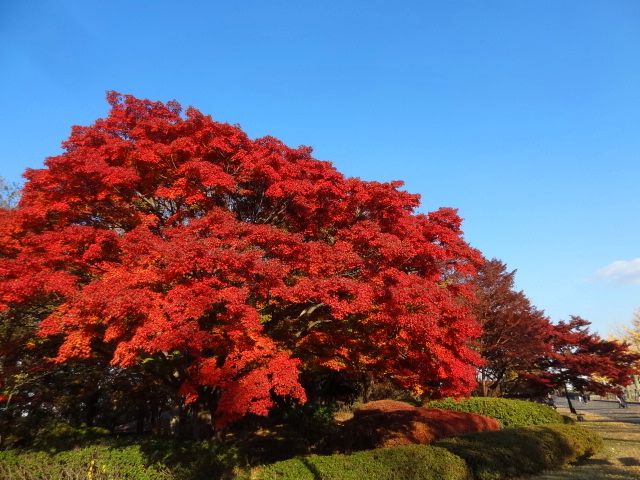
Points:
(566, 393)
(140, 418)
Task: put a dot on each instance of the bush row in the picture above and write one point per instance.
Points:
(523, 450)
(481, 456)
(93, 463)
(67, 453)
(510, 413)
(133, 459)
(405, 462)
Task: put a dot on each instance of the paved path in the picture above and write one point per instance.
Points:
(604, 408)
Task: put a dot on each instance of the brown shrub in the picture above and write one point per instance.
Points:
(385, 423)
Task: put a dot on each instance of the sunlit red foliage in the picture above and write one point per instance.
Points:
(237, 262)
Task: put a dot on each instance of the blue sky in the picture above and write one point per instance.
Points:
(524, 115)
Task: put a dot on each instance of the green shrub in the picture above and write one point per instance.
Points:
(93, 463)
(191, 460)
(62, 436)
(494, 455)
(135, 458)
(524, 450)
(313, 421)
(510, 413)
(407, 462)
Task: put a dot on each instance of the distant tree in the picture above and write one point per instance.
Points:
(587, 362)
(514, 332)
(632, 333)
(233, 264)
(9, 194)
(526, 354)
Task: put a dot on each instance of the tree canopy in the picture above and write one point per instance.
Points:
(632, 333)
(586, 361)
(526, 354)
(514, 331)
(234, 264)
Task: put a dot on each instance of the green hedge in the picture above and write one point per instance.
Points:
(407, 462)
(482, 456)
(510, 413)
(134, 458)
(524, 450)
(92, 463)
(496, 455)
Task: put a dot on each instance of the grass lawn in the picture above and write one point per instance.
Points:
(619, 461)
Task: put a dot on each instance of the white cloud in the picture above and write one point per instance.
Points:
(625, 272)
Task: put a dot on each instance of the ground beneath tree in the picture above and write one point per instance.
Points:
(620, 429)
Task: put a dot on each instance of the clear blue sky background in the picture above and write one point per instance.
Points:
(524, 115)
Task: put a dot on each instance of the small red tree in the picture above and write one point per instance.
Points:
(237, 262)
(586, 361)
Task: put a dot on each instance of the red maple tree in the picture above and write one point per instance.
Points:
(515, 333)
(527, 355)
(585, 361)
(237, 262)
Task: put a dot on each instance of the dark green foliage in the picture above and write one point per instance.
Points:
(96, 463)
(489, 456)
(191, 460)
(407, 462)
(61, 436)
(510, 413)
(314, 421)
(496, 455)
(136, 458)
(524, 450)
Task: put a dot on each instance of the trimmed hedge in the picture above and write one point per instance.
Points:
(93, 463)
(481, 456)
(510, 413)
(389, 423)
(405, 462)
(134, 458)
(523, 450)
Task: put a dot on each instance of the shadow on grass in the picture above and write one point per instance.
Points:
(317, 475)
(605, 472)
